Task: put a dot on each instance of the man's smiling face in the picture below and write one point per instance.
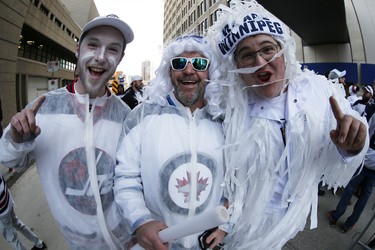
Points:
(99, 54)
(190, 84)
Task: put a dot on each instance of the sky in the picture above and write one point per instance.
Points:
(145, 17)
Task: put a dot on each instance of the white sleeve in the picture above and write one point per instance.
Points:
(15, 155)
(128, 188)
(338, 174)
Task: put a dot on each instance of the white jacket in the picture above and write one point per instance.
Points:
(272, 188)
(76, 149)
(171, 167)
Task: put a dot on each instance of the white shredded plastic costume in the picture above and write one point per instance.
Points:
(172, 165)
(77, 171)
(271, 186)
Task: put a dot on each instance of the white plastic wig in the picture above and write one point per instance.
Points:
(161, 86)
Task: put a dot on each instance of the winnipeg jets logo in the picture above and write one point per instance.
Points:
(179, 187)
(184, 186)
(75, 183)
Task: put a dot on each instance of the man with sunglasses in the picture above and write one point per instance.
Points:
(285, 129)
(172, 165)
(73, 134)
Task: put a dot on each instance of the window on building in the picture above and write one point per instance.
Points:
(202, 27)
(201, 8)
(192, 18)
(44, 9)
(58, 22)
(35, 46)
(36, 3)
(213, 17)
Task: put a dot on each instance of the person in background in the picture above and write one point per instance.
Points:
(121, 90)
(171, 165)
(338, 80)
(363, 178)
(360, 105)
(286, 130)
(10, 170)
(134, 92)
(353, 94)
(9, 221)
(370, 108)
(73, 134)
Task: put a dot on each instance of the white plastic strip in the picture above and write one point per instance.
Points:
(91, 166)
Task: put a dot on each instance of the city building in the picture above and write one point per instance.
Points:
(189, 16)
(38, 42)
(38, 39)
(148, 71)
(328, 34)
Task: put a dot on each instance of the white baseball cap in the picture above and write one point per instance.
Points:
(368, 88)
(111, 20)
(335, 73)
(136, 78)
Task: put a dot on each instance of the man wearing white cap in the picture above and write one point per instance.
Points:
(73, 134)
(360, 105)
(286, 130)
(133, 92)
(337, 74)
(338, 79)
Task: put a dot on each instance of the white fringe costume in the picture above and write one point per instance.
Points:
(259, 166)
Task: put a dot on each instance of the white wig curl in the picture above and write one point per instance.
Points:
(161, 86)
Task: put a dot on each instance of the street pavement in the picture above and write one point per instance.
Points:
(32, 209)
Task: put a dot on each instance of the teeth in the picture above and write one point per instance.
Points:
(97, 69)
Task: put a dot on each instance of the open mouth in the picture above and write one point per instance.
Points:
(264, 77)
(97, 72)
(188, 82)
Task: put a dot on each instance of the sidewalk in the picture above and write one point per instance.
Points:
(325, 237)
(32, 209)
(10, 176)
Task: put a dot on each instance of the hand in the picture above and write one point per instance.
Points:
(23, 125)
(215, 238)
(147, 235)
(350, 133)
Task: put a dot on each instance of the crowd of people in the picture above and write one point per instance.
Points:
(229, 120)
(363, 180)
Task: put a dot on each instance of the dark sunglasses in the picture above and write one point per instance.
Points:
(198, 63)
